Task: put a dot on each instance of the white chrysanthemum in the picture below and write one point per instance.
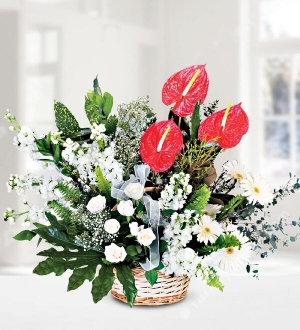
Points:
(232, 258)
(211, 210)
(235, 170)
(208, 229)
(257, 189)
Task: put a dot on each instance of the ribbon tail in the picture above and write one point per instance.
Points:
(154, 257)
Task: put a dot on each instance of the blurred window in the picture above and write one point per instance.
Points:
(278, 45)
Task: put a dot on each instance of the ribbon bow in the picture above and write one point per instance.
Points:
(152, 208)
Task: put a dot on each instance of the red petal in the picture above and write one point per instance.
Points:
(176, 84)
(159, 161)
(236, 126)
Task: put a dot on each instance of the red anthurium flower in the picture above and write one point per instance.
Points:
(227, 132)
(186, 88)
(160, 144)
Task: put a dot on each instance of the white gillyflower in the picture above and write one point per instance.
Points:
(207, 230)
(114, 253)
(146, 236)
(126, 208)
(96, 204)
(235, 170)
(134, 190)
(112, 226)
(257, 189)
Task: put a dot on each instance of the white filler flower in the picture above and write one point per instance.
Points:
(112, 226)
(114, 253)
(126, 208)
(146, 236)
(235, 170)
(134, 190)
(96, 204)
(208, 229)
(257, 189)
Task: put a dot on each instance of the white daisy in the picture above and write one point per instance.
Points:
(208, 229)
(257, 189)
(211, 210)
(235, 170)
(232, 258)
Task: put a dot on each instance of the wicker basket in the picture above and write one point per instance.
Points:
(167, 289)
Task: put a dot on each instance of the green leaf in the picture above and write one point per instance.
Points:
(111, 125)
(215, 282)
(151, 276)
(199, 199)
(195, 121)
(226, 241)
(163, 245)
(53, 220)
(248, 268)
(293, 238)
(80, 275)
(97, 89)
(65, 121)
(131, 250)
(126, 278)
(56, 153)
(160, 266)
(65, 254)
(103, 184)
(92, 112)
(50, 266)
(57, 237)
(108, 103)
(103, 283)
(25, 235)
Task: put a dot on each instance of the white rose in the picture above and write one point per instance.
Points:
(134, 228)
(112, 226)
(146, 236)
(96, 204)
(114, 253)
(134, 190)
(126, 208)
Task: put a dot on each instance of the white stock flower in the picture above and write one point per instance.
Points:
(96, 204)
(134, 190)
(257, 189)
(112, 226)
(146, 236)
(114, 253)
(126, 208)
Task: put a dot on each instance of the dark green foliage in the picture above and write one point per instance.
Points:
(80, 275)
(111, 125)
(151, 276)
(25, 235)
(232, 205)
(195, 121)
(126, 278)
(65, 121)
(210, 108)
(102, 284)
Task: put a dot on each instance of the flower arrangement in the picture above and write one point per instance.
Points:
(133, 193)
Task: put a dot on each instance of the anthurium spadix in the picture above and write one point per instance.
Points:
(160, 144)
(185, 88)
(225, 127)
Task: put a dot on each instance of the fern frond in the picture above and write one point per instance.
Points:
(63, 212)
(103, 184)
(199, 199)
(70, 193)
(231, 206)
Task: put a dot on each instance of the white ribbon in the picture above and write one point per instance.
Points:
(153, 212)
